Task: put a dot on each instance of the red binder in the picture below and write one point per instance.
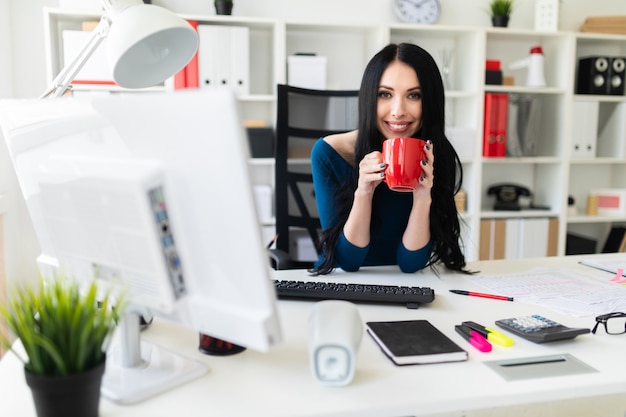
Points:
(191, 69)
(495, 124)
(188, 76)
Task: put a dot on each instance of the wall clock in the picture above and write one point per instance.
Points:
(417, 11)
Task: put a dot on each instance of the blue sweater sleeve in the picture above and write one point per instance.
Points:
(411, 261)
(329, 170)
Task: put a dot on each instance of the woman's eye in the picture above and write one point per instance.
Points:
(415, 96)
(384, 94)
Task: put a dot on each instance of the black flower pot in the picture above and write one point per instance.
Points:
(223, 7)
(64, 396)
(500, 21)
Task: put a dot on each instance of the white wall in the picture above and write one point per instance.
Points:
(6, 53)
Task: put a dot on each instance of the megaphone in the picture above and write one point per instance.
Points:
(534, 63)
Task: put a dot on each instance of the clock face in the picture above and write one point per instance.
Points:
(417, 11)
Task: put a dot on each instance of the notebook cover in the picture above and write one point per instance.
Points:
(414, 342)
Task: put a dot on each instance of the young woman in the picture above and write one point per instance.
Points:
(365, 223)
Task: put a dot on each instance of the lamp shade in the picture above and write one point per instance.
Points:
(148, 44)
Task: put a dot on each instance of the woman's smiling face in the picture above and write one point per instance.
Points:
(399, 107)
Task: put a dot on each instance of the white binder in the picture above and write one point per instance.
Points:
(584, 129)
(240, 59)
(206, 57)
(224, 57)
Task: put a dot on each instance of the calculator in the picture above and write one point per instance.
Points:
(539, 329)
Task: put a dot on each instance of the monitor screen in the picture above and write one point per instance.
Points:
(153, 191)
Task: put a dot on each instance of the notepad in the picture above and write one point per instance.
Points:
(414, 342)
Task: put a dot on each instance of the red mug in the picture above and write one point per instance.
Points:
(403, 163)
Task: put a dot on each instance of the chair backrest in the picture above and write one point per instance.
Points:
(303, 116)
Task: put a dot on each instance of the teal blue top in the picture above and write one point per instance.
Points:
(390, 214)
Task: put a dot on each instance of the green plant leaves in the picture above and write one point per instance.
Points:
(62, 326)
(501, 7)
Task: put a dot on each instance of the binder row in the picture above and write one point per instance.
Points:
(516, 238)
(223, 59)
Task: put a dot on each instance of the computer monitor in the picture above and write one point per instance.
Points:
(151, 190)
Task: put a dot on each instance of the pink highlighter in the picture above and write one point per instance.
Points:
(473, 337)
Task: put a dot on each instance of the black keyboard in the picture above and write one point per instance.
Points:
(380, 294)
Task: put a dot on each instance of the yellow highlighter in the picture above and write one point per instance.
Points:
(490, 334)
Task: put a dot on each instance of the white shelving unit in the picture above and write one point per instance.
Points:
(552, 175)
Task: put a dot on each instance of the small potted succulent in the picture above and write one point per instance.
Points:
(500, 11)
(64, 328)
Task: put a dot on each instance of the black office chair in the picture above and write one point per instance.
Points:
(303, 116)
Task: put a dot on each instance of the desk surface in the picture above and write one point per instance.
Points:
(279, 383)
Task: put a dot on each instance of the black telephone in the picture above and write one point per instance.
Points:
(507, 196)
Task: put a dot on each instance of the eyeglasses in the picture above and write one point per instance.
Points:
(614, 323)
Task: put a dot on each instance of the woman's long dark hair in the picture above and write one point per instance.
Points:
(448, 172)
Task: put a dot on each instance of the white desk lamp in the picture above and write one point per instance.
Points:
(146, 45)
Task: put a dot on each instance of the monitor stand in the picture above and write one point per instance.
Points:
(138, 370)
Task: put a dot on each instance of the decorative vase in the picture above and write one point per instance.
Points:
(500, 21)
(223, 7)
(71, 395)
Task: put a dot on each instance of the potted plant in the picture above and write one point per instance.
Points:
(500, 11)
(64, 330)
(223, 7)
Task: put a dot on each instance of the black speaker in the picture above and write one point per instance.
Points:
(601, 75)
(593, 75)
(617, 68)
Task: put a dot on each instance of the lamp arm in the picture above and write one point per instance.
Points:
(61, 82)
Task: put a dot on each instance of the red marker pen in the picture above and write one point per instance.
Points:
(480, 294)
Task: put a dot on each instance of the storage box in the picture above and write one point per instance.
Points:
(307, 71)
(579, 245)
(261, 142)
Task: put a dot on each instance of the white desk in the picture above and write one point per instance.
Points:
(278, 383)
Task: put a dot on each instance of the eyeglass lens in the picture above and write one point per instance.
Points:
(615, 325)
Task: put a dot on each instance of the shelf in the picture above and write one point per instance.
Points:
(600, 99)
(598, 161)
(509, 160)
(523, 90)
(596, 219)
(261, 162)
(559, 170)
(518, 214)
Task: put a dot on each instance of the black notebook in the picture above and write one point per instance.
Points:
(414, 342)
